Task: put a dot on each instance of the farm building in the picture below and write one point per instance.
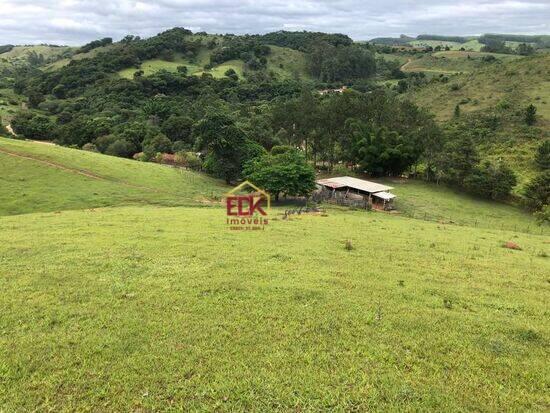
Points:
(356, 191)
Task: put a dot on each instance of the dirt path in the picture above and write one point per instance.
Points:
(404, 67)
(83, 172)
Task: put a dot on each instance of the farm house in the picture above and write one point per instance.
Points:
(357, 192)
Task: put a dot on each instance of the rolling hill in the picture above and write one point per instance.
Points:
(470, 43)
(452, 62)
(52, 178)
(285, 63)
(502, 89)
(120, 292)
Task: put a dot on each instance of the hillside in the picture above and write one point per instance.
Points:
(453, 62)
(51, 178)
(136, 307)
(469, 43)
(503, 89)
(285, 63)
(44, 54)
(79, 179)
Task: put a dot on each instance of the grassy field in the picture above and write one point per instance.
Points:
(122, 292)
(452, 62)
(19, 52)
(287, 63)
(51, 178)
(158, 308)
(427, 201)
(515, 81)
(64, 62)
(292, 62)
(471, 45)
(194, 67)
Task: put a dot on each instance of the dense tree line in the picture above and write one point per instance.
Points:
(330, 63)
(304, 41)
(457, 39)
(94, 45)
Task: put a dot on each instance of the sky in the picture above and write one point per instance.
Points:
(75, 22)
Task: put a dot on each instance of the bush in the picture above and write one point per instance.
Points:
(90, 147)
(495, 182)
(32, 126)
(159, 143)
(530, 115)
(537, 192)
(121, 148)
(180, 146)
(189, 159)
(103, 142)
(543, 216)
(542, 158)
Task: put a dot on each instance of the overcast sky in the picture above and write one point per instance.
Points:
(76, 21)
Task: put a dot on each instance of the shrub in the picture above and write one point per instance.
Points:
(121, 148)
(495, 182)
(188, 159)
(530, 115)
(543, 216)
(90, 147)
(33, 126)
(537, 192)
(103, 142)
(158, 143)
(542, 158)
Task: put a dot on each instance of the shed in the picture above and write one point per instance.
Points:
(343, 186)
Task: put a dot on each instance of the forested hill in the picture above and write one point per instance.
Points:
(233, 99)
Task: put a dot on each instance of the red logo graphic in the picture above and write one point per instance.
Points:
(246, 211)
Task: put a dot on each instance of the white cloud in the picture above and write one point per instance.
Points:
(79, 21)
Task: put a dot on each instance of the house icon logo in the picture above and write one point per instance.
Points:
(247, 207)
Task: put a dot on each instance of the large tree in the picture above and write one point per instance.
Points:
(537, 192)
(227, 146)
(283, 171)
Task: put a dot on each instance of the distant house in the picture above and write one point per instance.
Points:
(326, 91)
(356, 191)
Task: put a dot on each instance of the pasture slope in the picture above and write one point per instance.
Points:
(501, 90)
(283, 62)
(150, 303)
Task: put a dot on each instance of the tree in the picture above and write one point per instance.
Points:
(542, 157)
(495, 182)
(178, 128)
(543, 216)
(458, 159)
(35, 98)
(380, 151)
(530, 115)
(121, 148)
(283, 171)
(457, 111)
(525, 49)
(157, 144)
(537, 192)
(227, 145)
(33, 126)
